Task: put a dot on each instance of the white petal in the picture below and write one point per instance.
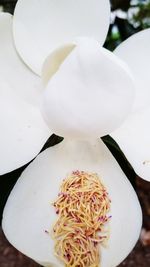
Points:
(133, 137)
(23, 131)
(135, 51)
(28, 212)
(25, 83)
(40, 26)
(90, 94)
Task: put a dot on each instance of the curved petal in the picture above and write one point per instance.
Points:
(133, 137)
(23, 131)
(12, 70)
(39, 186)
(40, 26)
(89, 94)
(135, 51)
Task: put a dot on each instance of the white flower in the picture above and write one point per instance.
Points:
(89, 93)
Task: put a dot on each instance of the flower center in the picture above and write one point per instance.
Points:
(82, 206)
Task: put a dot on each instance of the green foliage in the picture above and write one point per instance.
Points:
(129, 17)
(142, 17)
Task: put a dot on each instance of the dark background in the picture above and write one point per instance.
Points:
(128, 17)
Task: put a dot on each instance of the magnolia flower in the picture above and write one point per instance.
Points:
(83, 92)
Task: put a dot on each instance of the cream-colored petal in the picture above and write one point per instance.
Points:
(40, 26)
(89, 94)
(12, 70)
(22, 130)
(133, 137)
(28, 212)
(135, 51)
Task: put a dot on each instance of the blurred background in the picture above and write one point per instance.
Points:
(127, 18)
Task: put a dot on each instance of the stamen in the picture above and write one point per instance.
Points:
(82, 206)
